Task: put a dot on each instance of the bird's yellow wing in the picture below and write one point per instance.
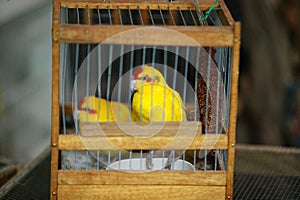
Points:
(155, 102)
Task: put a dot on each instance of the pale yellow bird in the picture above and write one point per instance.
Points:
(93, 109)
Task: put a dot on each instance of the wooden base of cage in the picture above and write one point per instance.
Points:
(74, 192)
(149, 185)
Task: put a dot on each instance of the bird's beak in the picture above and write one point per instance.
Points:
(132, 84)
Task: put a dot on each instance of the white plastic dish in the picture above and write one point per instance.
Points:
(138, 164)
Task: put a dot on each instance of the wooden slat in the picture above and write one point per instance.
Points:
(151, 35)
(145, 178)
(144, 129)
(55, 100)
(116, 18)
(68, 109)
(233, 111)
(74, 192)
(145, 16)
(170, 20)
(153, 5)
(223, 18)
(226, 13)
(72, 142)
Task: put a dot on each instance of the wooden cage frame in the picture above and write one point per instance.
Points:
(122, 185)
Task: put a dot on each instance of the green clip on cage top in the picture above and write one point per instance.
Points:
(144, 99)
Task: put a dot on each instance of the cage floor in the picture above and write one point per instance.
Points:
(260, 173)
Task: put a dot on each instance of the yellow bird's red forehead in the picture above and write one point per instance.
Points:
(137, 72)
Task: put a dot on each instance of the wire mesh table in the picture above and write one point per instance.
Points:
(261, 172)
(267, 173)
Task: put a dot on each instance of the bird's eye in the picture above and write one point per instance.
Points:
(144, 78)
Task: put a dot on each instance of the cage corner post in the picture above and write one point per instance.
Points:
(233, 110)
(55, 99)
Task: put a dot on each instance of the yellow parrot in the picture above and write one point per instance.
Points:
(153, 99)
(110, 111)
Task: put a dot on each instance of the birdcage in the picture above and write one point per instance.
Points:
(176, 139)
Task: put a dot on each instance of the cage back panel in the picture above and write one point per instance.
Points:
(97, 47)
